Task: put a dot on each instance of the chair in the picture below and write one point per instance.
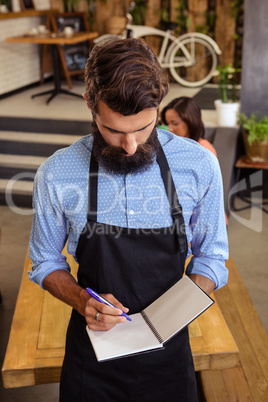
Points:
(225, 142)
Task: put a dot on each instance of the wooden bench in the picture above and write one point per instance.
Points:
(249, 381)
(37, 338)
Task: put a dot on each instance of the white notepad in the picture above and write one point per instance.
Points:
(155, 325)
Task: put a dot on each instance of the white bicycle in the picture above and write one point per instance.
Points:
(191, 58)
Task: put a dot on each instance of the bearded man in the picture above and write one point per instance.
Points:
(133, 202)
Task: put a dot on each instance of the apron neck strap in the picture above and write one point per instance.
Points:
(92, 206)
(175, 206)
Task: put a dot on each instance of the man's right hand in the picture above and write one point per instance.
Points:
(108, 316)
(62, 285)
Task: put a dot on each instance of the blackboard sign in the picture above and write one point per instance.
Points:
(76, 21)
(27, 5)
(75, 55)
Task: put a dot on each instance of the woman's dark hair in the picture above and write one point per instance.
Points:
(126, 75)
(189, 112)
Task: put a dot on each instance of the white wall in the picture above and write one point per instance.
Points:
(19, 62)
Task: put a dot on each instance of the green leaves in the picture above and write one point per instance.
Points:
(256, 126)
(227, 82)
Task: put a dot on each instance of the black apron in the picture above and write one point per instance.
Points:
(136, 266)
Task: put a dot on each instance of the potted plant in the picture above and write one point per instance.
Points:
(138, 11)
(5, 6)
(255, 136)
(227, 106)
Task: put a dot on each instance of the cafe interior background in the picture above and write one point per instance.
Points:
(31, 130)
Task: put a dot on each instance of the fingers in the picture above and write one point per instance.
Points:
(115, 302)
(108, 316)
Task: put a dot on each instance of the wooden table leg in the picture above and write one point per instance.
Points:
(57, 84)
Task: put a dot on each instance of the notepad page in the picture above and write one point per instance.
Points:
(177, 307)
(127, 338)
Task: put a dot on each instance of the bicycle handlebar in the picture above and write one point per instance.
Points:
(129, 18)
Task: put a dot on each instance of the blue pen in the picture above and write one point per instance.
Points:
(104, 301)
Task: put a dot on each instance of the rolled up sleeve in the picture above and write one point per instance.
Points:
(209, 242)
(49, 230)
(213, 269)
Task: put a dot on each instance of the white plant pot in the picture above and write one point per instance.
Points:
(15, 5)
(3, 9)
(226, 113)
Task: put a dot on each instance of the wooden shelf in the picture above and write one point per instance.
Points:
(28, 13)
(53, 39)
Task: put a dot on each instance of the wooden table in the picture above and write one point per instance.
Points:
(249, 381)
(37, 339)
(244, 162)
(54, 40)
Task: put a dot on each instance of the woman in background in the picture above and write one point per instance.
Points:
(183, 118)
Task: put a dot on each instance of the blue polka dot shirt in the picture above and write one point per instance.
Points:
(134, 200)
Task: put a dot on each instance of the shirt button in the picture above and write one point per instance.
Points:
(129, 175)
(131, 212)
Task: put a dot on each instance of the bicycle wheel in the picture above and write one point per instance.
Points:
(193, 62)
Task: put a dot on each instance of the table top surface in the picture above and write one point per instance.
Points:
(244, 162)
(37, 338)
(53, 38)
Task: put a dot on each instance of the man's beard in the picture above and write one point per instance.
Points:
(114, 159)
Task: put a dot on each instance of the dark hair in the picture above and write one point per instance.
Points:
(189, 112)
(126, 75)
